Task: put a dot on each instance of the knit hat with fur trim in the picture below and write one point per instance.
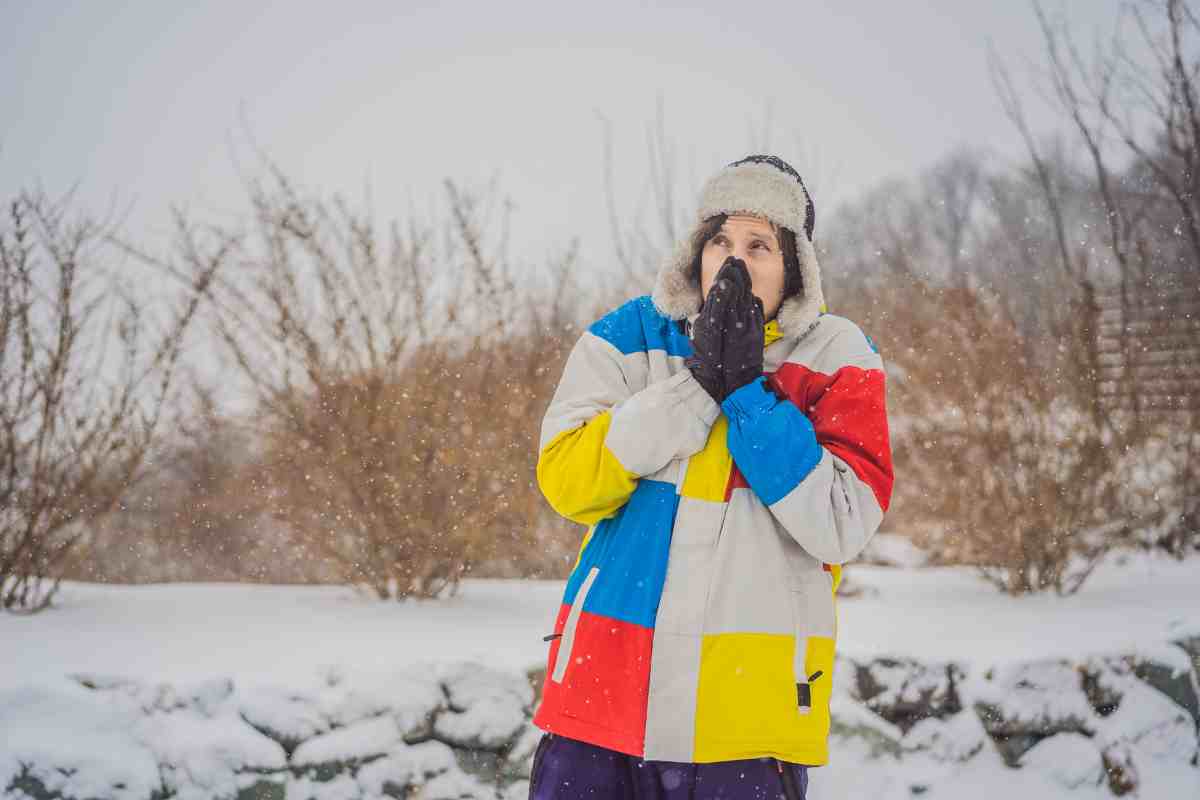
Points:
(762, 186)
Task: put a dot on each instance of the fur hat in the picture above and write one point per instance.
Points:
(763, 186)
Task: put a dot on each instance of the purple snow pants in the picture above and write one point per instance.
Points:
(568, 769)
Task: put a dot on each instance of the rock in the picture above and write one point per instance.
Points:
(905, 691)
(406, 767)
(341, 787)
(1071, 760)
(43, 782)
(519, 759)
(386, 777)
(487, 708)
(1020, 704)
(455, 786)
(1179, 685)
(1122, 722)
(537, 680)
(852, 720)
(957, 738)
(1168, 670)
(343, 749)
(1098, 687)
(1120, 769)
(413, 696)
(206, 754)
(206, 697)
(265, 788)
(1159, 728)
(284, 716)
(57, 753)
(100, 682)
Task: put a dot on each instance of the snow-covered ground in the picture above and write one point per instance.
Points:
(321, 661)
(284, 633)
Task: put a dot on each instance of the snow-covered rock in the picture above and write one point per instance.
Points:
(404, 767)
(955, 738)
(905, 691)
(339, 749)
(488, 708)
(1022, 703)
(66, 740)
(413, 695)
(519, 759)
(432, 699)
(340, 787)
(287, 716)
(1160, 728)
(852, 720)
(1071, 760)
(455, 786)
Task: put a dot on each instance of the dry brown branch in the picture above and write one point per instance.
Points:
(76, 426)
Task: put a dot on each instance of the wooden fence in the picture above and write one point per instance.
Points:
(1149, 343)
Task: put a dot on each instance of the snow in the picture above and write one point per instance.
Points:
(360, 740)
(892, 549)
(484, 712)
(954, 739)
(1071, 759)
(173, 632)
(202, 690)
(272, 634)
(1040, 694)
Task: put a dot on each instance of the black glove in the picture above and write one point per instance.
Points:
(708, 332)
(742, 355)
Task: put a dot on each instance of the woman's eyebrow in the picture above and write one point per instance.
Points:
(765, 237)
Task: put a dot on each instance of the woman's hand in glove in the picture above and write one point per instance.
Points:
(708, 332)
(742, 353)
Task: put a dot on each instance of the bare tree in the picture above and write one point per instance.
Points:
(1143, 109)
(84, 378)
(1010, 462)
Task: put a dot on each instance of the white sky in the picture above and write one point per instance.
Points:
(143, 102)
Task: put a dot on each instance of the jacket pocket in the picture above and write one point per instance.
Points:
(814, 629)
(568, 635)
(813, 603)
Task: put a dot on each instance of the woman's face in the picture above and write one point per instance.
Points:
(752, 240)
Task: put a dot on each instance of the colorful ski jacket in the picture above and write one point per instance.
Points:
(699, 621)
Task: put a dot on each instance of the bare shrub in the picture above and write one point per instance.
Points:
(1010, 460)
(1017, 474)
(1136, 119)
(76, 420)
(408, 482)
(203, 513)
(398, 377)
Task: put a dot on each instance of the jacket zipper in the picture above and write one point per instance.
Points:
(790, 790)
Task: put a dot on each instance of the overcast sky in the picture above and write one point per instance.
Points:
(146, 103)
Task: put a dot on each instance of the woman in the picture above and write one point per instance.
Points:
(725, 441)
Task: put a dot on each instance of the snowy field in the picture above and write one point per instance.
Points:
(282, 633)
(238, 646)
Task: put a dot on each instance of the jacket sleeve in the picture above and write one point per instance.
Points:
(606, 427)
(825, 472)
